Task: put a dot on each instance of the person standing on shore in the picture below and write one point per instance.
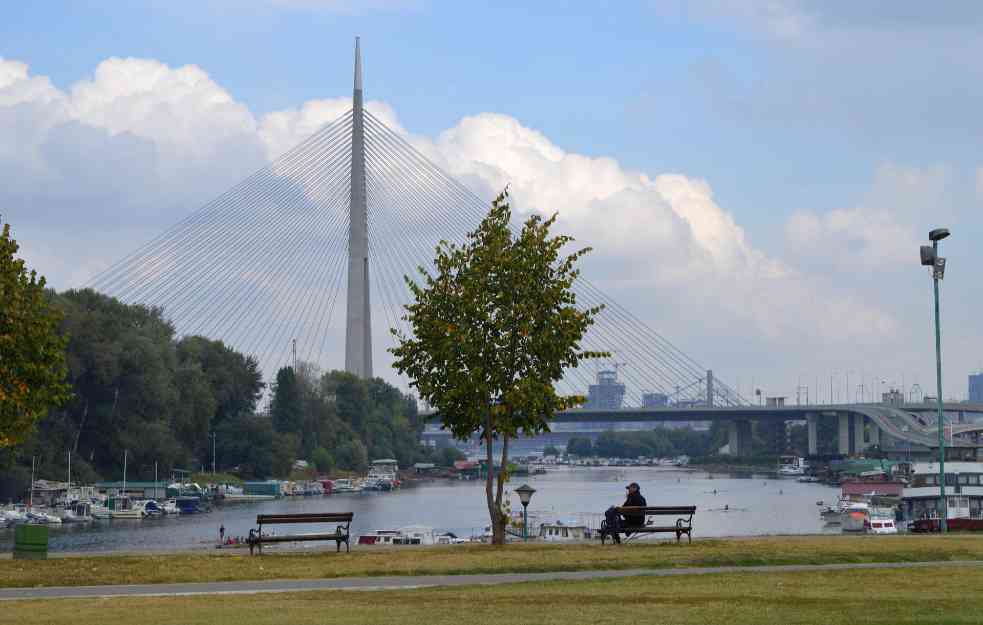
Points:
(221, 534)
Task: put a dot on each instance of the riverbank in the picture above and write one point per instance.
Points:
(885, 596)
(450, 560)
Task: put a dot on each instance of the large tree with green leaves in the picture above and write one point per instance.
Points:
(32, 351)
(495, 324)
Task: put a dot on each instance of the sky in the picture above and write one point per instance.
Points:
(756, 177)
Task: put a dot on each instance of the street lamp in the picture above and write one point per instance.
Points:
(930, 258)
(525, 493)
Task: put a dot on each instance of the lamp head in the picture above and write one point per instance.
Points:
(525, 493)
(938, 234)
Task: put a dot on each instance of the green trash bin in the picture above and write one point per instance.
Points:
(31, 542)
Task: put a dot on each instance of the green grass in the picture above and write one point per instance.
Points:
(219, 566)
(888, 597)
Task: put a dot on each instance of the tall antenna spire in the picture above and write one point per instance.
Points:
(358, 329)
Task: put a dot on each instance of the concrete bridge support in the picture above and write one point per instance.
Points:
(812, 425)
(859, 444)
(739, 441)
(875, 435)
(843, 438)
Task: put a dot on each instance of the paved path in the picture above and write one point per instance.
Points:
(424, 581)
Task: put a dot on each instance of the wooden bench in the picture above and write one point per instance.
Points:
(683, 524)
(340, 535)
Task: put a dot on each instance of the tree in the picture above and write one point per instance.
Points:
(580, 446)
(32, 352)
(287, 407)
(550, 450)
(447, 456)
(494, 327)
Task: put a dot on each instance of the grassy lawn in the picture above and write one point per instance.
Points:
(201, 567)
(891, 597)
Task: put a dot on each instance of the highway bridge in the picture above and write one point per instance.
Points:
(903, 430)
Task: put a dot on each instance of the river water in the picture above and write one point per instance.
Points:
(727, 505)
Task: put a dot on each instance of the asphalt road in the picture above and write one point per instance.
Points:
(422, 581)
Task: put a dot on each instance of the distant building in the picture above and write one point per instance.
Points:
(655, 400)
(775, 402)
(607, 394)
(893, 397)
(976, 387)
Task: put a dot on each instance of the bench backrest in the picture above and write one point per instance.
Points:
(323, 517)
(657, 510)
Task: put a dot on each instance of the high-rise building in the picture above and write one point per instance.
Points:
(976, 387)
(607, 394)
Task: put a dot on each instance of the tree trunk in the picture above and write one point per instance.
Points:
(493, 512)
(502, 478)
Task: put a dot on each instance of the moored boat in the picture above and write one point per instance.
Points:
(922, 503)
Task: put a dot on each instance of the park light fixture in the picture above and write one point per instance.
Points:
(525, 493)
(930, 258)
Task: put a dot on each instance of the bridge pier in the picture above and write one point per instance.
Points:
(812, 425)
(875, 435)
(859, 444)
(843, 438)
(739, 439)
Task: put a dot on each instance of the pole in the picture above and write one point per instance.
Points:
(213, 453)
(943, 522)
(30, 503)
(525, 523)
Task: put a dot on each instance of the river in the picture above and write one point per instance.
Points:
(727, 505)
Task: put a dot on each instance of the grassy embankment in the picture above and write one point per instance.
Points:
(206, 567)
(888, 597)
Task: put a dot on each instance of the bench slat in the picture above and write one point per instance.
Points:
(300, 538)
(659, 510)
(272, 519)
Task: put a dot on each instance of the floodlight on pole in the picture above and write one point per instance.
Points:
(930, 258)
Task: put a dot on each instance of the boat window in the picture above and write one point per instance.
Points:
(963, 479)
(973, 479)
(950, 479)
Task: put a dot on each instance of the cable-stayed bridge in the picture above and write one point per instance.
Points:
(272, 265)
(287, 254)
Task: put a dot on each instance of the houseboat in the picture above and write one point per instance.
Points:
(921, 501)
(409, 535)
(560, 532)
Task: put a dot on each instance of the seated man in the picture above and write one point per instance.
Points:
(615, 521)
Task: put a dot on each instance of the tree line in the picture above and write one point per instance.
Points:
(133, 384)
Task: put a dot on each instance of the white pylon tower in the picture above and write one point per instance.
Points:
(358, 329)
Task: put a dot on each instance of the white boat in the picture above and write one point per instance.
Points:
(100, 511)
(345, 486)
(409, 535)
(148, 507)
(243, 498)
(559, 532)
(41, 517)
(12, 515)
(170, 507)
(791, 466)
(855, 517)
(79, 512)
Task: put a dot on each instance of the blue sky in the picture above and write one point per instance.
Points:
(807, 120)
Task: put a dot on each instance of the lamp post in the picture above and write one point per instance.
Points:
(525, 493)
(930, 258)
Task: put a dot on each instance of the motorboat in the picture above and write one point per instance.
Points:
(559, 532)
(148, 507)
(123, 508)
(854, 517)
(170, 507)
(41, 517)
(77, 512)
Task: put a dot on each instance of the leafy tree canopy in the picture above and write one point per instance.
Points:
(494, 327)
(32, 352)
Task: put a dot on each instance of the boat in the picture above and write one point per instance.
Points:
(170, 507)
(244, 498)
(41, 517)
(345, 486)
(191, 505)
(854, 517)
(78, 512)
(559, 532)
(920, 500)
(409, 535)
(383, 474)
(148, 507)
(881, 521)
(791, 466)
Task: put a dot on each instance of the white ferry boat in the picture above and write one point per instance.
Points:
(921, 501)
(409, 535)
